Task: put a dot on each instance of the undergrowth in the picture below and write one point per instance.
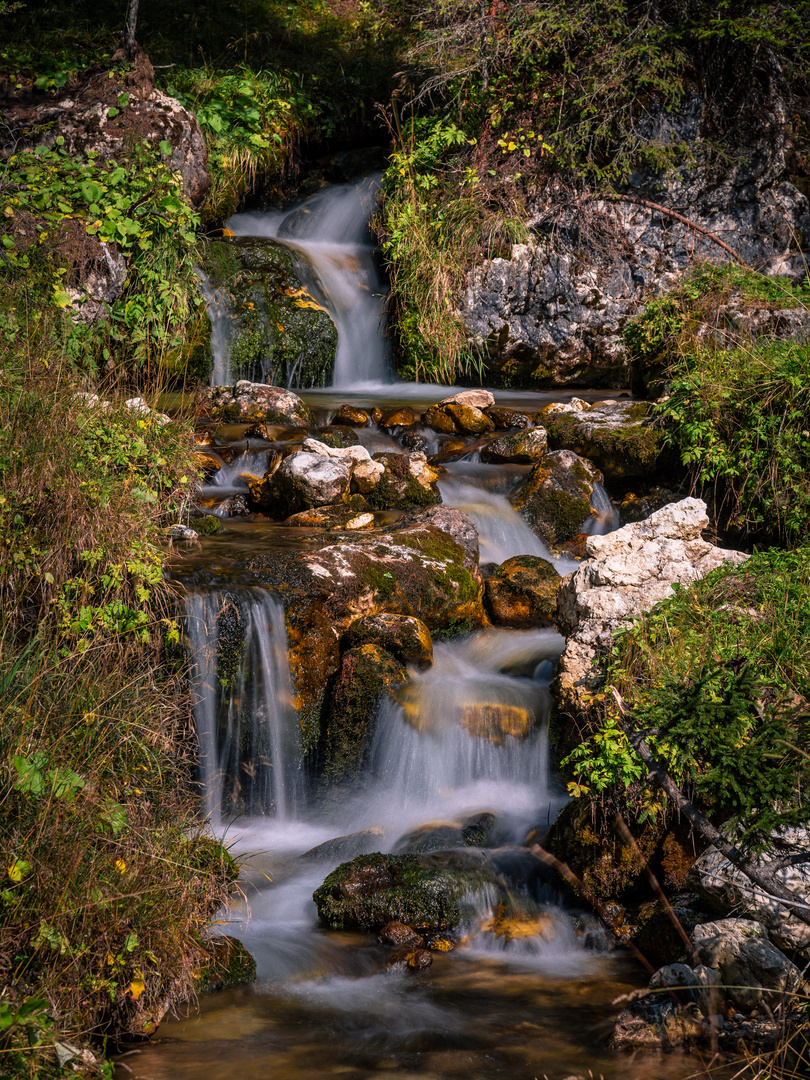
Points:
(737, 405)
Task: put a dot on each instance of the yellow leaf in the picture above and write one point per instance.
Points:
(136, 986)
(227, 232)
(120, 866)
(18, 869)
(512, 146)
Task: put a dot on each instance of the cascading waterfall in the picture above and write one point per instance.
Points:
(604, 517)
(330, 234)
(246, 723)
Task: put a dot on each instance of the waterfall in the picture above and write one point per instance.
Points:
(246, 724)
(221, 319)
(330, 234)
(604, 516)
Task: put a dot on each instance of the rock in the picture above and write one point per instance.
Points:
(522, 592)
(417, 570)
(399, 417)
(347, 847)
(307, 479)
(699, 984)
(255, 401)
(138, 405)
(422, 891)
(655, 1022)
(726, 889)
(397, 933)
(748, 964)
(81, 117)
(573, 405)
(468, 419)
(415, 440)
(553, 312)
(180, 532)
(338, 437)
(410, 960)
(208, 525)
(366, 674)
(507, 418)
(496, 721)
(440, 421)
(229, 964)
(510, 923)
(349, 416)
(657, 937)
(476, 399)
(637, 508)
(406, 638)
(405, 484)
(277, 332)
(616, 437)
(555, 497)
(99, 278)
(626, 574)
(521, 448)
(349, 516)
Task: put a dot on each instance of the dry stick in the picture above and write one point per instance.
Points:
(766, 881)
(637, 201)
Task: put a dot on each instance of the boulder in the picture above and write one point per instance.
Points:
(522, 592)
(419, 570)
(397, 933)
(441, 421)
(366, 674)
(496, 720)
(477, 399)
(520, 448)
(399, 417)
(656, 1022)
(424, 892)
(468, 419)
(347, 847)
(748, 964)
(348, 415)
(472, 831)
(276, 331)
(626, 574)
(637, 507)
(615, 435)
(507, 418)
(307, 479)
(338, 437)
(725, 889)
(555, 497)
(553, 311)
(350, 516)
(254, 401)
(91, 120)
(406, 638)
(407, 482)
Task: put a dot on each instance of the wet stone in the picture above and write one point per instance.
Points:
(522, 592)
(520, 448)
(350, 416)
(440, 421)
(504, 419)
(397, 933)
(404, 636)
(394, 418)
(337, 437)
(468, 418)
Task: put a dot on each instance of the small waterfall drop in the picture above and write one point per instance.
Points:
(330, 234)
(246, 723)
(604, 516)
(221, 319)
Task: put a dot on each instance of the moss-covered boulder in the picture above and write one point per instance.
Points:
(280, 333)
(519, 448)
(405, 637)
(421, 891)
(246, 401)
(522, 592)
(555, 497)
(229, 964)
(337, 437)
(615, 435)
(367, 673)
(407, 483)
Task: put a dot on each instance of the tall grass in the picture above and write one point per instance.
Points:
(109, 878)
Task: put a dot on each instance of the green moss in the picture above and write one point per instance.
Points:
(398, 489)
(376, 889)
(230, 965)
(381, 581)
(209, 525)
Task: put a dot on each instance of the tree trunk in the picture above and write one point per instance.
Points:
(129, 32)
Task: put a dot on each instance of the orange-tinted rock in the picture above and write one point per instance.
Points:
(351, 416)
(393, 418)
(468, 419)
(507, 418)
(397, 933)
(495, 720)
(440, 420)
(522, 592)
(405, 637)
(555, 498)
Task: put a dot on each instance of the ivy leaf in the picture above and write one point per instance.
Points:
(166, 147)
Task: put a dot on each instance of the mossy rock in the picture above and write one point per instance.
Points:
(614, 436)
(281, 334)
(555, 498)
(421, 891)
(366, 674)
(398, 488)
(208, 525)
(406, 638)
(337, 437)
(522, 592)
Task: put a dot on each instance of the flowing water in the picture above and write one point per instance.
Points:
(534, 1003)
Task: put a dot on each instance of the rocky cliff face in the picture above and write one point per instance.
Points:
(552, 313)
